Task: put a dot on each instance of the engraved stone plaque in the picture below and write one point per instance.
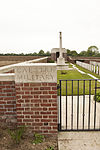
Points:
(36, 73)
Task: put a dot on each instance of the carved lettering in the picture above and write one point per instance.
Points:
(36, 74)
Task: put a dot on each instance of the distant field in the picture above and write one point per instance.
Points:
(74, 74)
(8, 60)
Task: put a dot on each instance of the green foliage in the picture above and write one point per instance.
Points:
(17, 134)
(38, 138)
(83, 53)
(74, 74)
(92, 51)
(97, 97)
(41, 53)
(63, 72)
(72, 53)
(50, 61)
(50, 148)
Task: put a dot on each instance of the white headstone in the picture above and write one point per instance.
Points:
(97, 70)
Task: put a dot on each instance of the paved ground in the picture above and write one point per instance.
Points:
(89, 140)
(86, 112)
(79, 141)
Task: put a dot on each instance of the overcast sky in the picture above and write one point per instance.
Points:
(27, 26)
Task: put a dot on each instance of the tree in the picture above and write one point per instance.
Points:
(74, 53)
(92, 51)
(71, 53)
(47, 53)
(68, 52)
(41, 53)
(83, 53)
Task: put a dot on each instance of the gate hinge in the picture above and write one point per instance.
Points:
(58, 86)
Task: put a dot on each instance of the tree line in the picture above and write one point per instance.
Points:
(40, 53)
(92, 51)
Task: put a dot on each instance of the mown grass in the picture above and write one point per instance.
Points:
(87, 71)
(74, 75)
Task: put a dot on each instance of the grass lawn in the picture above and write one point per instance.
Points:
(87, 71)
(74, 74)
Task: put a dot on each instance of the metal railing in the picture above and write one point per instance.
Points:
(78, 106)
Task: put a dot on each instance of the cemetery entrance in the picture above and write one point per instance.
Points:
(79, 106)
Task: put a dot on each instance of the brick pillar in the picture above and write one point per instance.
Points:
(36, 93)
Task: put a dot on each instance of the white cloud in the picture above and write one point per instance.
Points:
(30, 25)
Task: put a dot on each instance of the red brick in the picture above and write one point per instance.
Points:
(46, 112)
(37, 116)
(36, 96)
(27, 116)
(7, 106)
(45, 92)
(35, 101)
(26, 84)
(27, 113)
(37, 124)
(26, 88)
(18, 105)
(46, 120)
(35, 84)
(52, 84)
(36, 92)
(54, 96)
(52, 109)
(52, 116)
(27, 96)
(52, 92)
(19, 120)
(37, 120)
(20, 101)
(19, 84)
(45, 88)
(20, 116)
(46, 105)
(19, 109)
(44, 84)
(45, 96)
(36, 89)
(54, 88)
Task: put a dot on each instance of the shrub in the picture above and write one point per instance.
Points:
(50, 61)
(38, 138)
(17, 134)
(50, 148)
(97, 97)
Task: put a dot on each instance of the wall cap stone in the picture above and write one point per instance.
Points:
(7, 77)
(37, 72)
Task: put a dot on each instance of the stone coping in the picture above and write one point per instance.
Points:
(7, 77)
(9, 67)
(36, 64)
(95, 63)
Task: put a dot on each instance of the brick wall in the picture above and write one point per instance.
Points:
(8, 102)
(36, 106)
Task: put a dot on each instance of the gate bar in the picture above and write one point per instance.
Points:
(83, 102)
(66, 104)
(89, 103)
(72, 108)
(78, 105)
(95, 104)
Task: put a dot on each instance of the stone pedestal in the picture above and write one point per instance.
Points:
(60, 61)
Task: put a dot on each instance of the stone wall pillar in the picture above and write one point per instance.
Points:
(36, 93)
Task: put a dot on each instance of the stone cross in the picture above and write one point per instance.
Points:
(60, 44)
